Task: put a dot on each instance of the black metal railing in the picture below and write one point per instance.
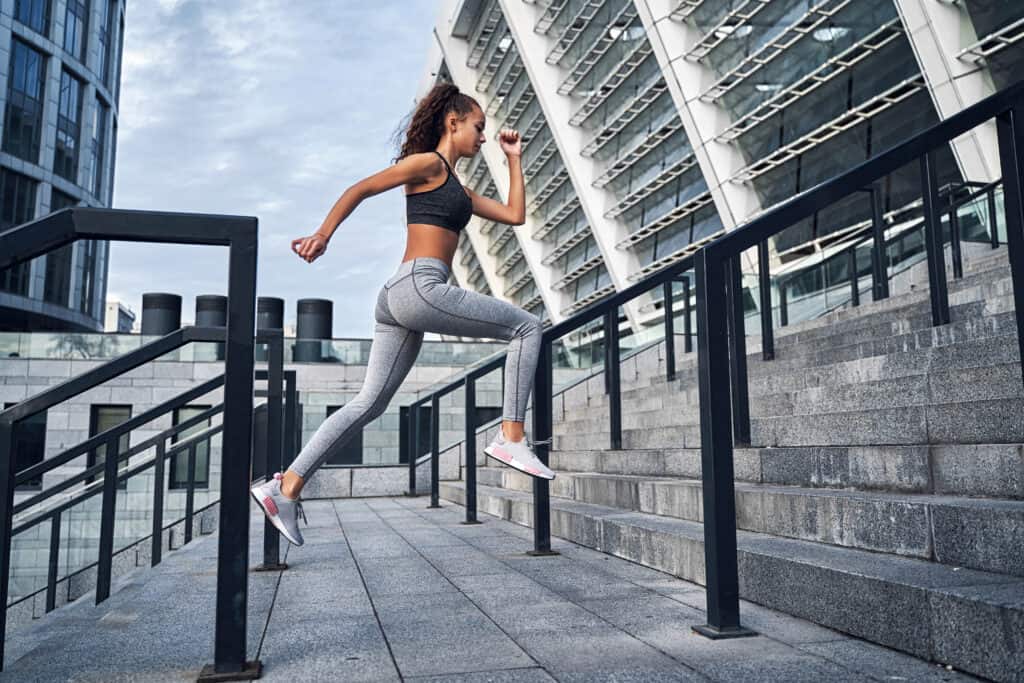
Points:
(718, 329)
(724, 416)
(239, 234)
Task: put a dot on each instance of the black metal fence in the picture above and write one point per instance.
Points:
(724, 415)
(239, 234)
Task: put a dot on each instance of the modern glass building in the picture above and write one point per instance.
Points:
(652, 126)
(60, 69)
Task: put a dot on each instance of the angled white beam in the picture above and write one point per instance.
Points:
(702, 121)
(569, 140)
(455, 53)
(937, 32)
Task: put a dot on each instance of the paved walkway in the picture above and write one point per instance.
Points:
(386, 589)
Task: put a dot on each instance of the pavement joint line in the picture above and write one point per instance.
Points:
(273, 600)
(762, 634)
(571, 600)
(359, 569)
(473, 602)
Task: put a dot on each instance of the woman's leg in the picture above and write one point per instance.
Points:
(392, 354)
(424, 301)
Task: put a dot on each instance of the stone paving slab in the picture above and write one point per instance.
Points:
(387, 589)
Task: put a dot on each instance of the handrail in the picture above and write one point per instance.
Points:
(719, 329)
(240, 235)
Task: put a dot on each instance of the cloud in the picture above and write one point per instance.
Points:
(268, 108)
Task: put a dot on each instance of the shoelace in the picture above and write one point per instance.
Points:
(298, 507)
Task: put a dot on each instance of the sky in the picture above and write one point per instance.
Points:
(267, 108)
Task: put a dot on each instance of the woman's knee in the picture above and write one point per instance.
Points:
(531, 326)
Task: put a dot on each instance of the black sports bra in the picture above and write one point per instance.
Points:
(446, 206)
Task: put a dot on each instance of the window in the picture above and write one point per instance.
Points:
(58, 263)
(35, 14)
(87, 291)
(117, 81)
(179, 461)
(108, 9)
(29, 446)
(102, 418)
(17, 206)
(69, 112)
(23, 117)
(101, 115)
(113, 163)
(351, 452)
(76, 29)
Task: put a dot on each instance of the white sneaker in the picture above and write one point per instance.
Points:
(518, 454)
(282, 511)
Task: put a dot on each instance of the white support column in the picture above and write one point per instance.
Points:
(569, 141)
(686, 80)
(937, 32)
(454, 51)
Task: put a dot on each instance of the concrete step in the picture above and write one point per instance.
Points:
(963, 532)
(970, 619)
(992, 470)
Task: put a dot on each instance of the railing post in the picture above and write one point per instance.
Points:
(51, 576)
(687, 329)
(542, 418)
(783, 304)
(7, 475)
(106, 547)
(469, 450)
(879, 253)
(851, 266)
(1010, 129)
(612, 376)
(435, 449)
(156, 545)
(414, 445)
(737, 351)
(190, 494)
(993, 222)
(933, 241)
(721, 568)
(275, 440)
(670, 333)
(954, 241)
(765, 285)
(233, 525)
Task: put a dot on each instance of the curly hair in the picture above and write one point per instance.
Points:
(426, 123)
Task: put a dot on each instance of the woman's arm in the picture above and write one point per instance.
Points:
(513, 213)
(413, 168)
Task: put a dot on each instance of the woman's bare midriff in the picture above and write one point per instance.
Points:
(430, 240)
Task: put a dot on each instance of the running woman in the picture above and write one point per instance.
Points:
(446, 126)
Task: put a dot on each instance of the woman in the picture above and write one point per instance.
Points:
(446, 126)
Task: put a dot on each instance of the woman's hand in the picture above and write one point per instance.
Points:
(510, 143)
(309, 248)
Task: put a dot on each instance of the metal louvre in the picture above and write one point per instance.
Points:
(629, 110)
(614, 79)
(588, 299)
(478, 40)
(496, 58)
(674, 257)
(647, 189)
(620, 164)
(684, 9)
(743, 12)
(549, 16)
(993, 43)
(824, 73)
(572, 31)
(846, 120)
(627, 13)
(662, 222)
(773, 48)
(551, 186)
(579, 271)
(574, 239)
(560, 214)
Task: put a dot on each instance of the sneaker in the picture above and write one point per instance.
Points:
(518, 454)
(282, 511)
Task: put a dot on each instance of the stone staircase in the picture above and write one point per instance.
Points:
(882, 495)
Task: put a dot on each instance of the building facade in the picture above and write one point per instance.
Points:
(650, 127)
(60, 70)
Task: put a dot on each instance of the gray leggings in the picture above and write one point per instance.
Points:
(417, 299)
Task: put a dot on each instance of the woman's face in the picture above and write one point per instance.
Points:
(469, 133)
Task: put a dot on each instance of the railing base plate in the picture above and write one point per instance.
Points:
(270, 567)
(542, 553)
(470, 521)
(411, 495)
(250, 671)
(715, 633)
(434, 506)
